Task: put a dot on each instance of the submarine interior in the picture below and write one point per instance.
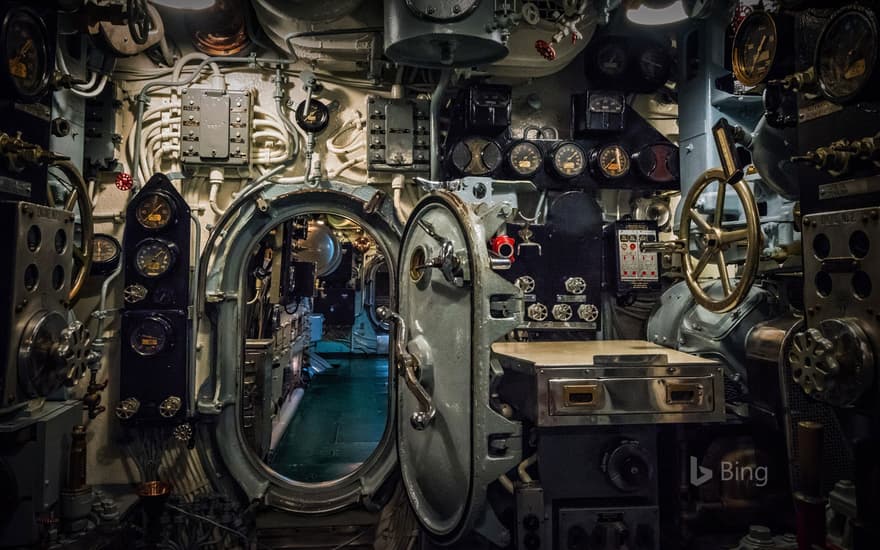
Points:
(440, 274)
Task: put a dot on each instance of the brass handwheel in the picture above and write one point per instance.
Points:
(715, 242)
(78, 197)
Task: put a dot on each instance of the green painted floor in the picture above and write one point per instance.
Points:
(339, 422)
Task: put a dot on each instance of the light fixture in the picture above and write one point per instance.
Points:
(185, 4)
(648, 14)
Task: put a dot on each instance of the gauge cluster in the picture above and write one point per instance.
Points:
(155, 331)
(629, 64)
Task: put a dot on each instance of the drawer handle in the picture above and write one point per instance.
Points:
(684, 394)
(582, 395)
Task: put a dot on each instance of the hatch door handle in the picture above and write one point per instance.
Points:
(408, 367)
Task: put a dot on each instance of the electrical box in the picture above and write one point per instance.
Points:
(399, 135)
(631, 269)
(488, 109)
(215, 127)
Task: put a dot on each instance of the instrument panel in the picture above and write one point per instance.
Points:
(846, 54)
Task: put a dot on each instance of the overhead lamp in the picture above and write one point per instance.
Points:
(185, 4)
(656, 13)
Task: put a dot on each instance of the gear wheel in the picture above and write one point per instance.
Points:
(833, 363)
(75, 352)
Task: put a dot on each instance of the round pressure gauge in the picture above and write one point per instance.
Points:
(568, 160)
(525, 159)
(611, 161)
(754, 48)
(105, 254)
(155, 257)
(846, 54)
(155, 211)
(26, 54)
(655, 65)
(476, 156)
(316, 119)
(151, 336)
(612, 60)
(658, 163)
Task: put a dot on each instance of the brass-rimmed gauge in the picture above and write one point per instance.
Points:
(316, 120)
(568, 160)
(846, 54)
(151, 336)
(476, 156)
(155, 257)
(611, 161)
(26, 55)
(755, 48)
(525, 159)
(105, 254)
(155, 211)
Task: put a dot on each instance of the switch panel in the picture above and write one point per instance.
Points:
(399, 135)
(215, 127)
(631, 269)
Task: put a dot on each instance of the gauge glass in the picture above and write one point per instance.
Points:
(154, 211)
(476, 156)
(150, 337)
(846, 54)
(105, 249)
(154, 258)
(654, 65)
(569, 160)
(27, 57)
(658, 163)
(754, 48)
(525, 158)
(611, 59)
(606, 103)
(614, 161)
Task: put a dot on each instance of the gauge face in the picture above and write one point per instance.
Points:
(105, 249)
(611, 60)
(525, 158)
(154, 211)
(476, 156)
(151, 337)
(847, 54)
(754, 48)
(26, 53)
(658, 163)
(154, 258)
(607, 103)
(314, 121)
(569, 160)
(613, 161)
(654, 64)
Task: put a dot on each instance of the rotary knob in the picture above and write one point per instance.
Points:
(628, 466)
(183, 432)
(588, 312)
(526, 284)
(562, 312)
(170, 407)
(127, 408)
(537, 312)
(576, 285)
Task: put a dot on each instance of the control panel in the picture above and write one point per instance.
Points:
(155, 330)
(631, 269)
(215, 127)
(399, 135)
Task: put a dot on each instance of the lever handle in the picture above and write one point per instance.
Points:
(409, 365)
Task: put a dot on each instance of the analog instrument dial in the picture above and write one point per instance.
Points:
(612, 60)
(658, 163)
(613, 161)
(105, 253)
(151, 336)
(607, 103)
(26, 53)
(476, 156)
(754, 48)
(569, 160)
(655, 65)
(154, 258)
(525, 159)
(846, 55)
(155, 211)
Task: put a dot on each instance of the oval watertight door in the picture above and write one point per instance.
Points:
(448, 317)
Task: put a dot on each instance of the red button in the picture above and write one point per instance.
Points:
(632, 246)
